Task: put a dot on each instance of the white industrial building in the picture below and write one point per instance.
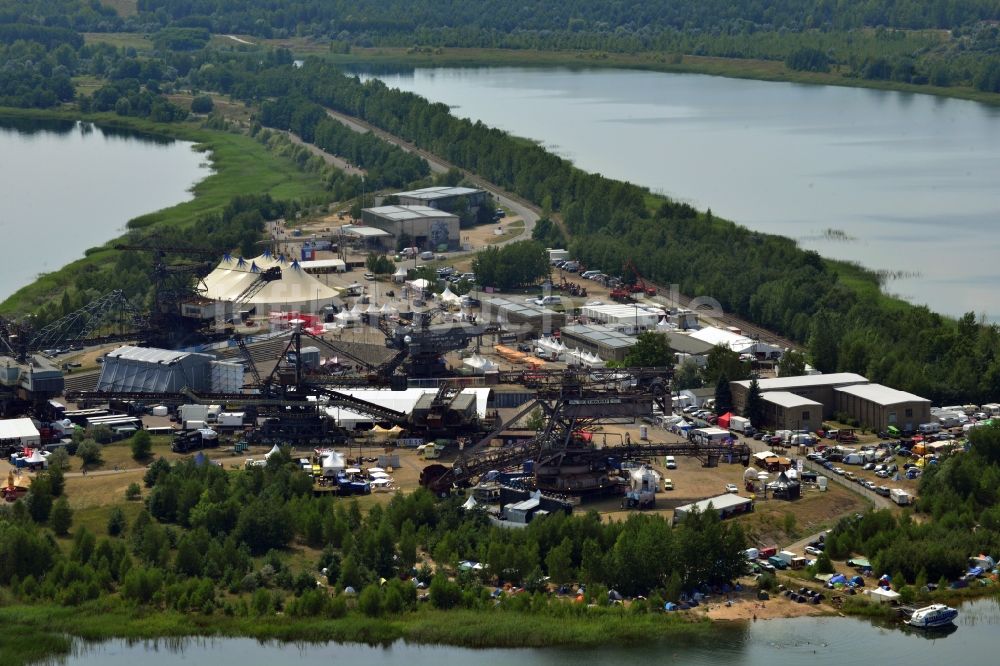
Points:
(148, 370)
(629, 319)
(19, 433)
(736, 342)
(428, 228)
(320, 266)
(726, 505)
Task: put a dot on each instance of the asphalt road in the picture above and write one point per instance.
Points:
(518, 206)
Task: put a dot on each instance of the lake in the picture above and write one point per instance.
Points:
(66, 187)
(898, 182)
(792, 642)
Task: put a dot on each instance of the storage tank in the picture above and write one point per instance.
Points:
(160, 410)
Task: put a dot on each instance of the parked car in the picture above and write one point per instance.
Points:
(731, 488)
(369, 276)
(813, 550)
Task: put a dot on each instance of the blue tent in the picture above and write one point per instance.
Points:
(839, 578)
(670, 606)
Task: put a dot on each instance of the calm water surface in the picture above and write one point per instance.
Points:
(912, 181)
(66, 187)
(812, 641)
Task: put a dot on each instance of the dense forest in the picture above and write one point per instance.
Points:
(213, 540)
(961, 495)
(333, 17)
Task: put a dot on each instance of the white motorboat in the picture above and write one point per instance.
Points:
(935, 615)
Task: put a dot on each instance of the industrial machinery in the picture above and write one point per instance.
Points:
(566, 459)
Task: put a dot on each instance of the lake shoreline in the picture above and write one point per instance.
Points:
(238, 164)
(757, 70)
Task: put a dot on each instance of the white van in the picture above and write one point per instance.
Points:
(670, 463)
(929, 428)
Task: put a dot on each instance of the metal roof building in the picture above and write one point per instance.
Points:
(815, 387)
(540, 319)
(442, 197)
(878, 407)
(607, 342)
(727, 505)
(428, 228)
(149, 370)
(788, 411)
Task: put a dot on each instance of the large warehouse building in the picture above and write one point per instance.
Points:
(605, 341)
(146, 370)
(540, 320)
(819, 388)
(787, 411)
(428, 228)
(878, 407)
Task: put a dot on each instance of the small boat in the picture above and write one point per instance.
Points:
(935, 615)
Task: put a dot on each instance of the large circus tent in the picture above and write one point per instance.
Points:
(239, 280)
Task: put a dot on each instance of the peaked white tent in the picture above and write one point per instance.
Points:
(295, 289)
(399, 275)
(36, 458)
(274, 449)
(470, 503)
(448, 296)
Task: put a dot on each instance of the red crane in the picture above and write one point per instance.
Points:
(639, 286)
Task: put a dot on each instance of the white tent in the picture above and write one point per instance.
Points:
(399, 275)
(419, 284)
(375, 469)
(346, 318)
(448, 296)
(883, 596)
(374, 309)
(275, 449)
(470, 503)
(295, 289)
(332, 460)
(36, 458)
(379, 475)
(387, 310)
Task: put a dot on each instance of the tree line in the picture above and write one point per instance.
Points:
(959, 509)
(192, 549)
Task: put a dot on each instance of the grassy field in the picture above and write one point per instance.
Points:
(241, 165)
(119, 40)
